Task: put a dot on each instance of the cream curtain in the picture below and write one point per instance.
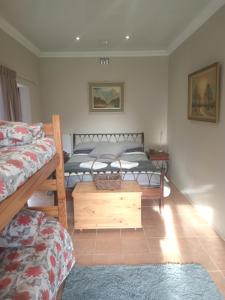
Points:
(10, 95)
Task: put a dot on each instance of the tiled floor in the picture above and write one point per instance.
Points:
(180, 236)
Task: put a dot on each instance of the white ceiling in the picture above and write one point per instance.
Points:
(50, 26)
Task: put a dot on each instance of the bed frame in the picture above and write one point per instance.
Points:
(39, 181)
(147, 192)
(106, 137)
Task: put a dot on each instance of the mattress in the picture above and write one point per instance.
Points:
(18, 163)
(144, 165)
(146, 173)
(43, 266)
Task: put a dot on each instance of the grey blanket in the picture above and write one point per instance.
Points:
(144, 165)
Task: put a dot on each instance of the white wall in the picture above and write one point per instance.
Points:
(197, 149)
(26, 65)
(64, 90)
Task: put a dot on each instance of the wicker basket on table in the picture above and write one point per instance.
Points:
(107, 181)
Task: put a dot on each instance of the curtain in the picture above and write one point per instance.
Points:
(10, 95)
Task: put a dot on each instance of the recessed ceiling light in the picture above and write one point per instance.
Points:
(105, 42)
(127, 37)
(77, 38)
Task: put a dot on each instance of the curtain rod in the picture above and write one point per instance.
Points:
(19, 76)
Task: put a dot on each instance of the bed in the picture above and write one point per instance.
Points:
(35, 249)
(26, 169)
(137, 166)
(35, 271)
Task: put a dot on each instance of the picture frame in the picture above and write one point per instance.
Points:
(106, 96)
(204, 94)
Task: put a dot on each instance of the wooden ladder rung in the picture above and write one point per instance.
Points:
(48, 185)
(49, 210)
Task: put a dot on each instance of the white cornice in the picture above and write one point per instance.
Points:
(209, 10)
(16, 35)
(130, 53)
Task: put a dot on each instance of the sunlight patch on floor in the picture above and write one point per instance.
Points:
(170, 245)
(205, 212)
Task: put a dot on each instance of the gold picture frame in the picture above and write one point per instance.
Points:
(204, 94)
(106, 96)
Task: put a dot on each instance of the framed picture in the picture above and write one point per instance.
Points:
(108, 97)
(204, 94)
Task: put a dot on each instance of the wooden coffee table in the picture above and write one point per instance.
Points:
(95, 209)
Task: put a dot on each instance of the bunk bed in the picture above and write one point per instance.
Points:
(36, 251)
(10, 206)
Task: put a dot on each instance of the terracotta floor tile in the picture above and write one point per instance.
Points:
(132, 233)
(194, 256)
(149, 202)
(181, 231)
(84, 260)
(152, 219)
(108, 246)
(155, 231)
(205, 231)
(84, 246)
(108, 234)
(189, 243)
(137, 259)
(212, 244)
(163, 246)
(160, 258)
(218, 257)
(111, 259)
(219, 279)
(134, 245)
(84, 234)
(173, 230)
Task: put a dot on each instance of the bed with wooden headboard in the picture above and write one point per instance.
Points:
(40, 181)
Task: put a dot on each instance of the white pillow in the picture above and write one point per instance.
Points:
(108, 150)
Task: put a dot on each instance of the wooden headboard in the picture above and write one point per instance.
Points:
(78, 138)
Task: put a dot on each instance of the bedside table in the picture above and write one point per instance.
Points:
(160, 159)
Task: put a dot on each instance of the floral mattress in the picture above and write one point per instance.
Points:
(35, 272)
(18, 163)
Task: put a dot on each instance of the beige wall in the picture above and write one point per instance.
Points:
(64, 90)
(197, 148)
(26, 64)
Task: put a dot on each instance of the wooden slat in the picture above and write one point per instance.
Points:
(49, 210)
(48, 185)
(61, 194)
(11, 205)
(48, 129)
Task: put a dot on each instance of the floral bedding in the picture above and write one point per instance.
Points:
(18, 133)
(36, 272)
(18, 163)
(23, 229)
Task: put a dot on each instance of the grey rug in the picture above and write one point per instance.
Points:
(145, 282)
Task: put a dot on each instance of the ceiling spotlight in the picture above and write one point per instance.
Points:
(127, 37)
(105, 42)
(77, 38)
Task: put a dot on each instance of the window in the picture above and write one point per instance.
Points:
(25, 103)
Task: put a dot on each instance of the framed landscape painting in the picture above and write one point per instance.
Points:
(204, 94)
(106, 97)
